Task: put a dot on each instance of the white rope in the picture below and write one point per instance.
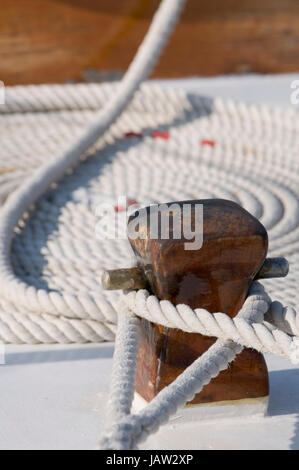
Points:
(127, 431)
(50, 261)
(122, 384)
(240, 330)
(284, 318)
(54, 292)
(73, 306)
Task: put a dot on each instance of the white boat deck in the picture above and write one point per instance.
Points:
(54, 397)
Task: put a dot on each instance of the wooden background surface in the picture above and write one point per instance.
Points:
(59, 40)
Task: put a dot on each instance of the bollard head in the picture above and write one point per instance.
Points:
(216, 273)
(215, 276)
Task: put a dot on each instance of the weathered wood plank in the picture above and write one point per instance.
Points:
(56, 40)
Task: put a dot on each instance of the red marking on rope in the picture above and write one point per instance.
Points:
(130, 202)
(133, 134)
(160, 135)
(211, 143)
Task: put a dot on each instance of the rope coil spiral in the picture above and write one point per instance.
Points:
(50, 260)
(53, 294)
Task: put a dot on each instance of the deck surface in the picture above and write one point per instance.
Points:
(54, 397)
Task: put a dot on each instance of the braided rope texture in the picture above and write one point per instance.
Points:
(213, 148)
(125, 431)
(55, 252)
(264, 336)
(77, 312)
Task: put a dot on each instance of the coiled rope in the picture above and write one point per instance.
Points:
(50, 277)
(167, 145)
